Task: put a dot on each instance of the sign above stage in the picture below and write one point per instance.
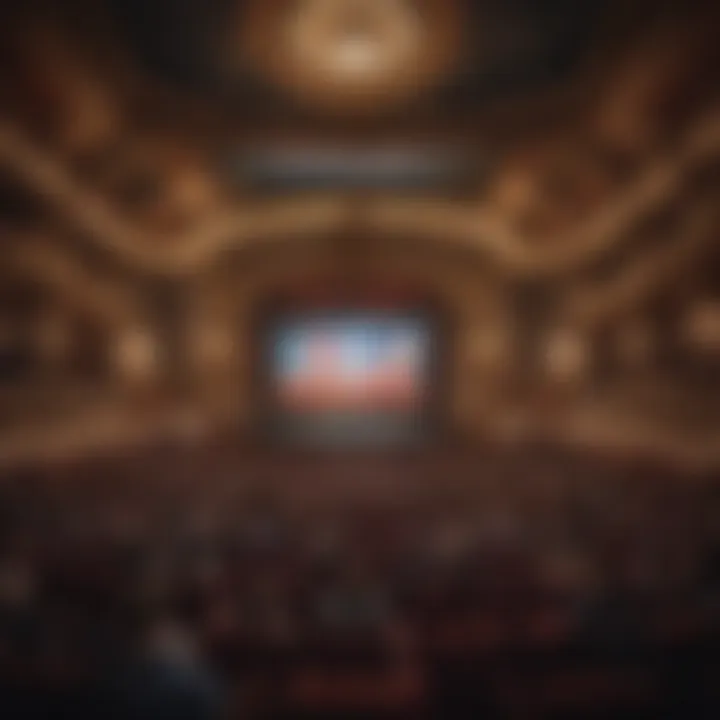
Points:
(356, 167)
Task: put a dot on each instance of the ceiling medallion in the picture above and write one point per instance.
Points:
(352, 55)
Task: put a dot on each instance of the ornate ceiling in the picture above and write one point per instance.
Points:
(349, 56)
(581, 266)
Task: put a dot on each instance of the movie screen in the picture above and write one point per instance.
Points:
(351, 378)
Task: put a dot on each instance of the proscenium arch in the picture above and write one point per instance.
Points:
(224, 307)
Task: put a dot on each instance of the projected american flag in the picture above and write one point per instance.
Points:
(351, 363)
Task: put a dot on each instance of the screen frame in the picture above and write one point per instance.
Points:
(337, 301)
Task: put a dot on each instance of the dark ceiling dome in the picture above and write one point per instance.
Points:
(512, 44)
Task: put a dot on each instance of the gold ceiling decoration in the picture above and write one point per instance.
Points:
(351, 55)
(472, 224)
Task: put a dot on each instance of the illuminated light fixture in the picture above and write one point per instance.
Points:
(566, 356)
(136, 355)
(359, 57)
(701, 327)
(356, 42)
(351, 54)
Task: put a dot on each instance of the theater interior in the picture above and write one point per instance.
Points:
(359, 359)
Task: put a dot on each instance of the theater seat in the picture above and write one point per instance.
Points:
(470, 634)
(598, 692)
(397, 692)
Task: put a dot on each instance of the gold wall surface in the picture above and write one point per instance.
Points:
(580, 269)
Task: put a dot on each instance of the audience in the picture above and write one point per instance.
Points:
(132, 601)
